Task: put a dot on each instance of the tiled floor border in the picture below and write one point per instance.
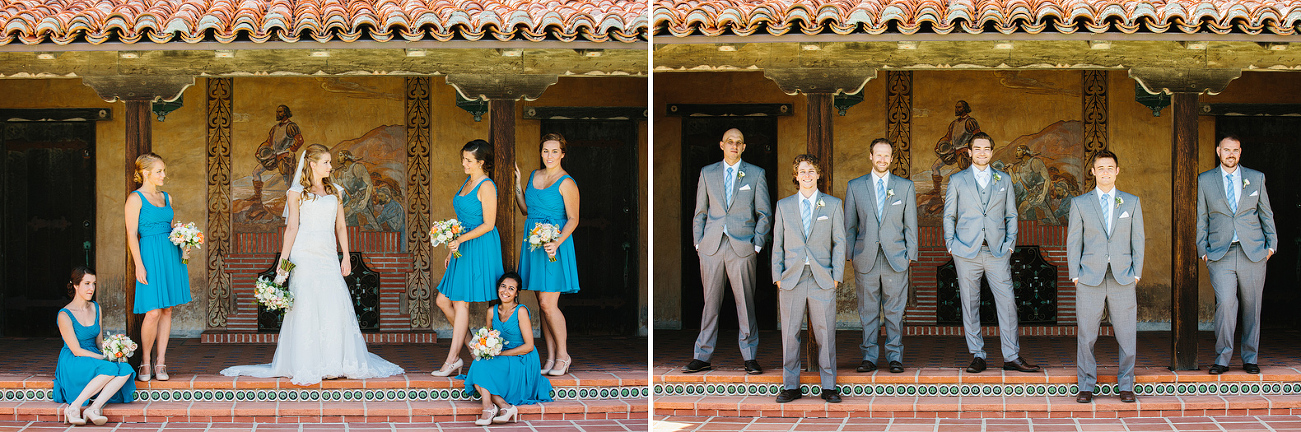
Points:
(958, 390)
(334, 395)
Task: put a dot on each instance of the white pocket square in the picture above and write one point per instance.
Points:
(897, 203)
(1124, 215)
(1003, 189)
(822, 218)
(1254, 193)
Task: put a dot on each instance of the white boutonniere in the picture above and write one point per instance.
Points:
(889, 193)
(740, 175)
(1246, 183)
(820, 203)
(1119, 201)
(998, 177)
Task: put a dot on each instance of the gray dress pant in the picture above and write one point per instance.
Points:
(715, 272)
(882, 282)
(1122, 304)
(1238, 282)
(999, 273)
(821, 305)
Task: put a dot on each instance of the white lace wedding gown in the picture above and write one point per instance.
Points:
(320, 337)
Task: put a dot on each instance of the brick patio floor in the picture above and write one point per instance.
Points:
(1225, 424)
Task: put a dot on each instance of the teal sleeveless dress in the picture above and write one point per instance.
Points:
(518, 379)
(473, 276)
(73, 373)
(539, 273)
(169, 283)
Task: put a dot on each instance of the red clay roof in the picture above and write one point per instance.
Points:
(778, 17)
(161, 21)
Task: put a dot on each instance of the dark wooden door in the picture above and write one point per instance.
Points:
(48, 201)
(700, 137)
(1271, 146)
(602, 159)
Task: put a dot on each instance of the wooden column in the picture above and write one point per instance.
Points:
(139, 140)
(1183, 251)
(502, 123)
(820, 138)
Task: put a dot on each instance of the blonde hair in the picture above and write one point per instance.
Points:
(313, 154)
(143, 163)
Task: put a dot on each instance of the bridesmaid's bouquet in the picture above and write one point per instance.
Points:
(542, 234)
(485, 343)
(272, 295)
(186, 236)
(445, 231)
(118, 347)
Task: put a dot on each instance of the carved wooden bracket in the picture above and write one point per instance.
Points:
(1173, 80)
(831, 81)
(500, 87)
(139, 87)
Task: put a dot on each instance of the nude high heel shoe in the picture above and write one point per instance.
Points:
(562, 367)
(143, 374)
(492, 414)
(67, 416)
(96, 417)
(546, 367)
(511, 414)
(160, 372)
(448, 368)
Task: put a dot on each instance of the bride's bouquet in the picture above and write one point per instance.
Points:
(542, 234)
(445, 231)
(272, 294)
(118, 347)
(186, 236)
(485, 343)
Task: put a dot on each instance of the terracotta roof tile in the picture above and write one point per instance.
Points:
(778, 17)
(162, 21)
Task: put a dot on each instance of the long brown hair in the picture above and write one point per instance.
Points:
(78, 273)
(313, 154)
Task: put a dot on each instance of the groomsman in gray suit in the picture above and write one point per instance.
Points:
(1235, 236)
(1104, 258)
(980, 224)
(808, 264)
(730, 227)
(881, 221)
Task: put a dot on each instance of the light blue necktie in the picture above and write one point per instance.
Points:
(1233, 197)
(880, 199)
(1106, 208)
(806, 213)
(727, 186)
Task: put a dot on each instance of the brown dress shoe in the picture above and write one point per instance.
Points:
(1127, 396)
(1084, 397)
(1020, 365)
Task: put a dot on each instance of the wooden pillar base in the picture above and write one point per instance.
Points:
(1183, 251)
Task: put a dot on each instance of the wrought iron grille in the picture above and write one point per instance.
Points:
(1034, 283)
(363, 288)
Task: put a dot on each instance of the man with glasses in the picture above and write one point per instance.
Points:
(980, 224)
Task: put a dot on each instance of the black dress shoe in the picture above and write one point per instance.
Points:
(831, 395)
(1251, 368)
(866, 366)
(977, 365)
(1020, 365)
(1127, 396)
(896, 367)
(697, 366)
(1084, 397)
(788, 395)
(752, 367)
(1217, 369)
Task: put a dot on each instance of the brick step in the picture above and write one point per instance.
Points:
(222, 337)
(956, 382)
(978, 406)
(329, 412)
(416, 387)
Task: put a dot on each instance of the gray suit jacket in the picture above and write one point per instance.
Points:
(825, 246)
(748, 219)
(968, 223)
(1090, 250)
(896, 233)
(1216, 223)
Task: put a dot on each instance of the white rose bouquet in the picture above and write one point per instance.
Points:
(541, 234)
(443, 232)
(186, 236)
(485, 343)
(118, 347)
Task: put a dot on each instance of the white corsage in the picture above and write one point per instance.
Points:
(1119, 201)
(740, 175)
(820, 203)
(889, 193)
(1246, 182)
(998, 177)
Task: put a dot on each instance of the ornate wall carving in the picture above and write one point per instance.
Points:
(1095, 119)
(418, 298)
(899, 87)
(218, 235)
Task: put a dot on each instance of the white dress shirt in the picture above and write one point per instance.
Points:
(813, 216)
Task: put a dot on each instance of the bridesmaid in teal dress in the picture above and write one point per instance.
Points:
(551, 197)
(469, 278)
(161, 279)
(510, 378)
(82, 372)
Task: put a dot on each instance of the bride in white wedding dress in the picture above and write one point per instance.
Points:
(320, 338)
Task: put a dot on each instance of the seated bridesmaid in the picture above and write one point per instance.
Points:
(514, 376)
(82, 372)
